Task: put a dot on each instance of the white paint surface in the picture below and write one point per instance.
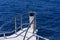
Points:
(21, 36)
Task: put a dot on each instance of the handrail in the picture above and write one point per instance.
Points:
(14, 30)
(28, 28)
(23, 31)
(41, 37)
(37, 36)
(19, 28)
(16, 35)
(15, 27)
(10, 21)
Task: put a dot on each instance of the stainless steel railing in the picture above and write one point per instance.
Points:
(20, 27)
(34, 30)
(29, 27)
(40, 37)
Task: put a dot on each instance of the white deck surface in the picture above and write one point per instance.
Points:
(20, 35)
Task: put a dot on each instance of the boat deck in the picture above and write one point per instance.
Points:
(20, 35)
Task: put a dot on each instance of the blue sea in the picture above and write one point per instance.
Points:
(47, 16)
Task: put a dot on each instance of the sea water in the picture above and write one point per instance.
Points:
(47, 15)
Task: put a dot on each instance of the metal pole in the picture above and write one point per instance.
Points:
(35, 23)
(38, 37)
(4, 35)
(15, 24)
(21, 22)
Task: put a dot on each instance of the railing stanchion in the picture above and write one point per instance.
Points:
(34, 23)
(21, 22)
(4, 35)
(38, 37)
(15, 24)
